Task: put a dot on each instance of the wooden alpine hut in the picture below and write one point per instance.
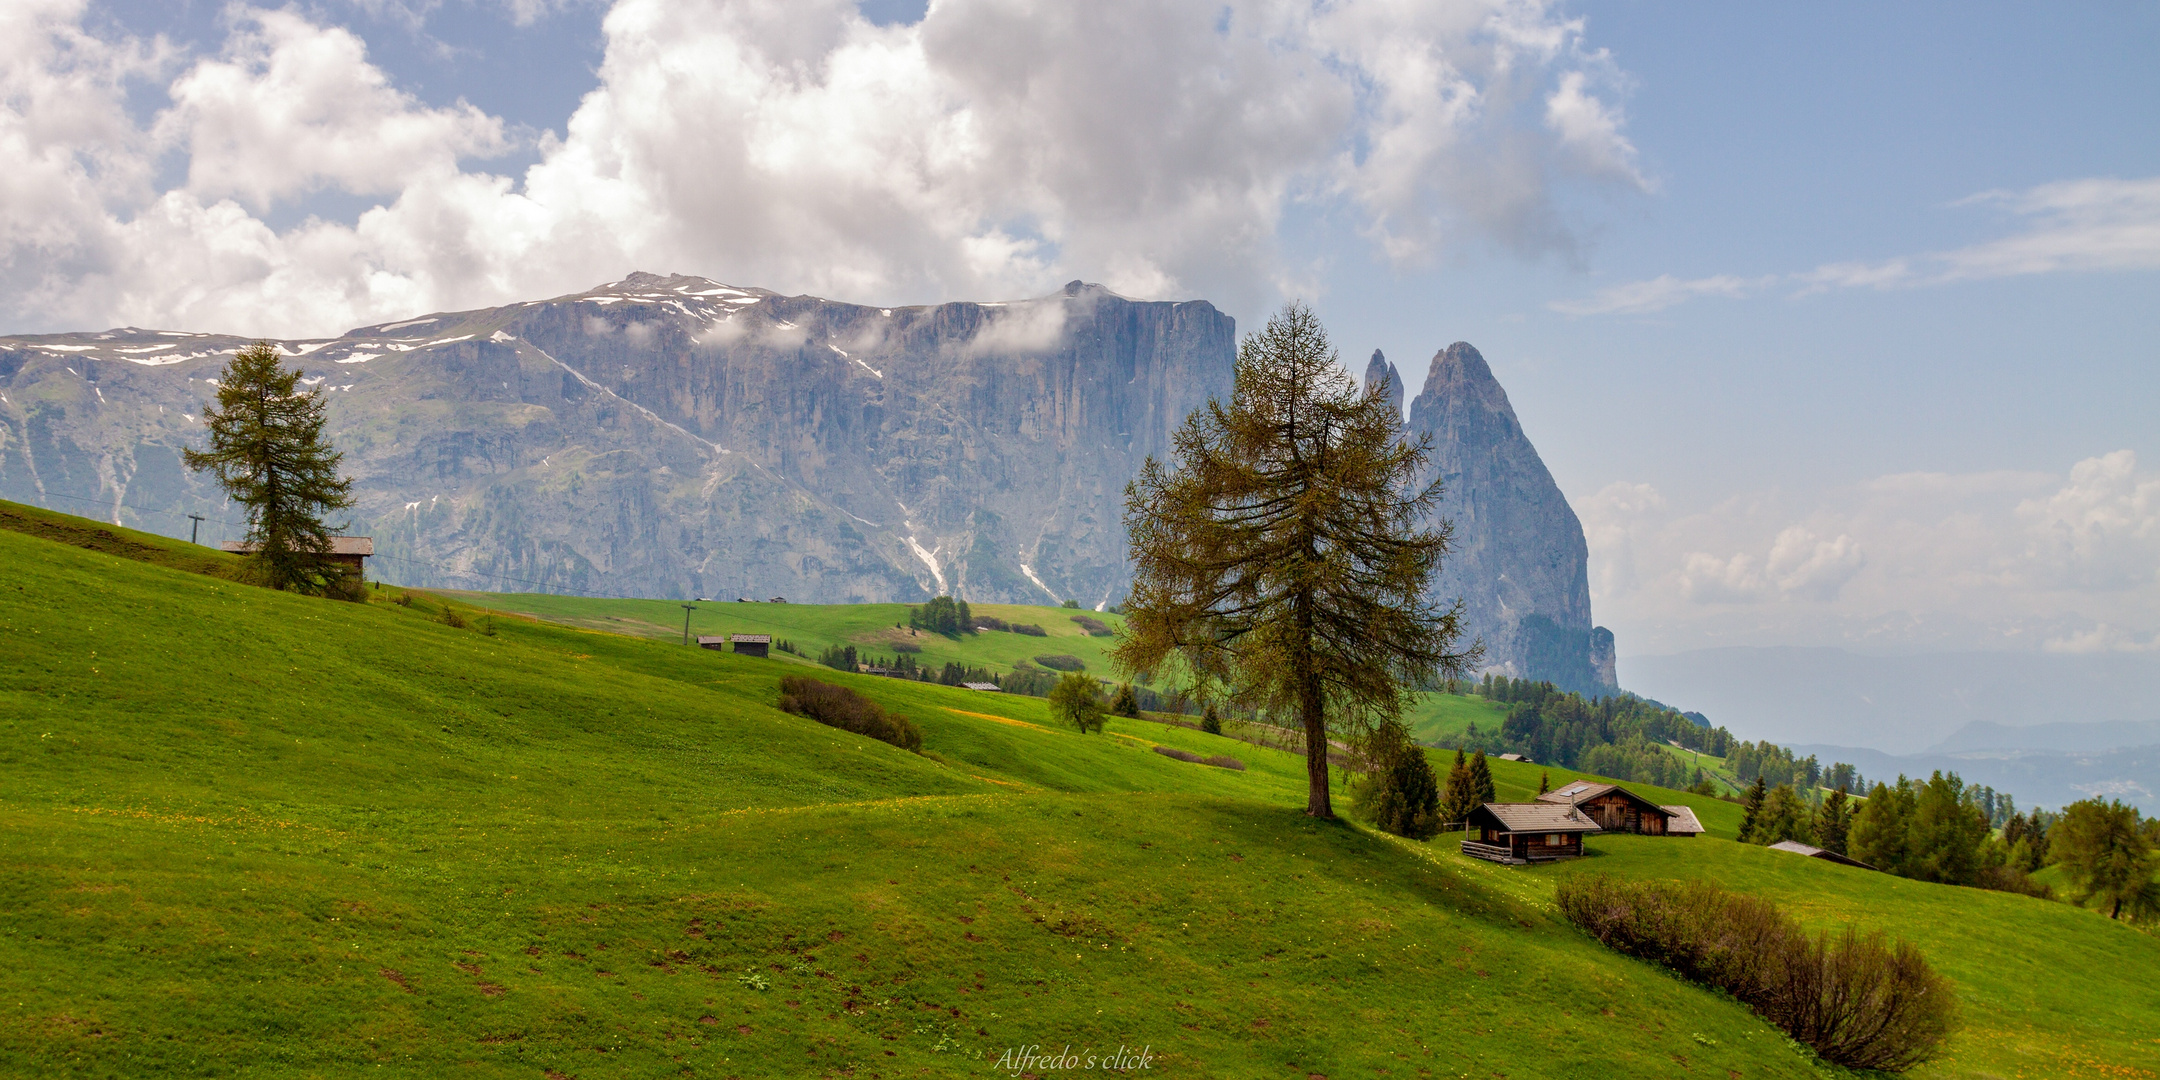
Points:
(1522, 833)
(1615, 808)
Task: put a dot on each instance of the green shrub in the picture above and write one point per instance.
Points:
(1225, 761)
(1062, 662)
(450, 617)
(1174, 752)
(1028, 629)
(1092, 626)
(1858, 1001)
(1211, 721)
(840, 707)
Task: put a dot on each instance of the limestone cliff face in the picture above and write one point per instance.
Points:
(676, 437)
(1520, 563)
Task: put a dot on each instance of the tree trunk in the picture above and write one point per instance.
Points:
(1316, 759)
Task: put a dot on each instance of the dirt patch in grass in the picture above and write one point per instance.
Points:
(398, 977)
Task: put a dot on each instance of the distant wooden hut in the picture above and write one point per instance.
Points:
(348, 551)
(986, 687)
(1813, 852)
(1517, 757)
(1615, 808)
(1521, 833)
(751, 644)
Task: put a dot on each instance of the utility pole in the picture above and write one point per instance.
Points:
(686, 610)
(194, 530)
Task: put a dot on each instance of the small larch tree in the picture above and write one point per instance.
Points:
(1281, 556)
(268, 451)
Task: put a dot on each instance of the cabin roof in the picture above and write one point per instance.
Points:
(1533, 818)
(339, 545)
(751, 639)
(1581, 791)
(1813, 852)
(989, 686)
(1683, 820)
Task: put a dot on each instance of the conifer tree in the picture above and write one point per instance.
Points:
(267, 450)
(1544, 782)
(1280, 555)
(1784, 816)
(1947, 832)
(1211, 720)
(1833, 821)
(1881, 830)
(1127, 703)
(1459, 797)
(1751, 807)
(1403, 796)
(1481, 782)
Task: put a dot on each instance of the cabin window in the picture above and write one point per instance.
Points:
(1553, 840)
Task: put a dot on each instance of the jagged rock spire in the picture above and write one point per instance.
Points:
(1378, 369)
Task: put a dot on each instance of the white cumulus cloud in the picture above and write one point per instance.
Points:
(994, 148)
(2065, 562)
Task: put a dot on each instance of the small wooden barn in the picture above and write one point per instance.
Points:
(1614, 808)
(1813, 852)
(985, 687)
(1521, 833)
(348, 551)
(1683, 821)
(751, 644)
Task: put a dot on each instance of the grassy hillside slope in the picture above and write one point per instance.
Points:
(251, 834)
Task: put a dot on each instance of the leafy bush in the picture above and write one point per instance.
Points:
(1174, 752)
(991, 622)
(1211, 721)
(1858, 1001)
(1094, 627)
(840, 707)
(1028, 629)
(450, 617)
(1062, 662)
(1225, 761)
(1070, 604)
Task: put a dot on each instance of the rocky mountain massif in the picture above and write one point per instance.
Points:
(672, 436)
(1520, 564)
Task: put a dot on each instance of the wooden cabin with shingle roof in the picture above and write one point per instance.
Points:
(1522, 833)
(1614, 808)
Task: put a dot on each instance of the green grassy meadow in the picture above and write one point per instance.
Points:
(248, 834)
(871, 628)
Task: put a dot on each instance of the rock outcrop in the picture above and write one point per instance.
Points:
(676, 437)
(1520, 564)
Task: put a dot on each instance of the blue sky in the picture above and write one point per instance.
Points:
(1835, 321)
